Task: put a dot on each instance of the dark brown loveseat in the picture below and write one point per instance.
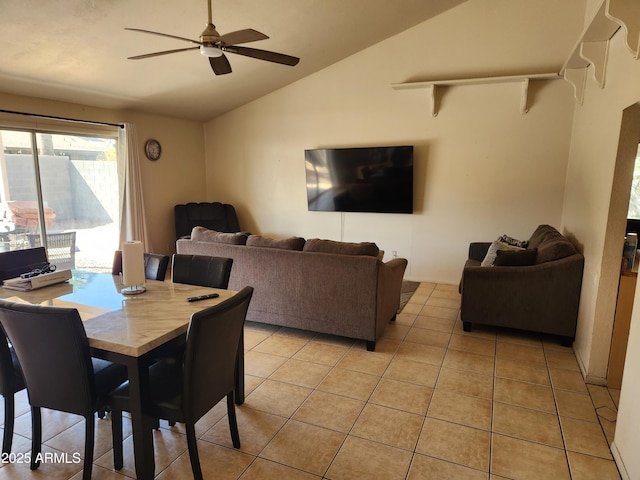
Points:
(536, 289)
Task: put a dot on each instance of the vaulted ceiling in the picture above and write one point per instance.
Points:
(76, 50)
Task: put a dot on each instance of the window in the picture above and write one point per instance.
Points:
(60, 190)
(634, 201)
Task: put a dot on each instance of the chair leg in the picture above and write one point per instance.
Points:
(193, 451)
(9, 413)
(116, 435)
(233, 422)
(36, 437)
(89, 438)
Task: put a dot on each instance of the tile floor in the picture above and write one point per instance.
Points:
(432, 402)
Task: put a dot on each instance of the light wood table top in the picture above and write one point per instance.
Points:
(128, 324)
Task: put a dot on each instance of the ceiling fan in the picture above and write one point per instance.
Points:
(213, 45)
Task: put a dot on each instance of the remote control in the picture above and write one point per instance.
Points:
(202, 297)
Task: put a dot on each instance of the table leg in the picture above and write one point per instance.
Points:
(140, 422)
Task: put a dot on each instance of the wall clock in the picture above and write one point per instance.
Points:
(152, 149)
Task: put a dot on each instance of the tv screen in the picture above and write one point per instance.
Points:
(368, 179)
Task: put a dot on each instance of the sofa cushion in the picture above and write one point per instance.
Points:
(542, 234)
(201, 234)
(516, 258)
(492, 252)
(342, 248)
(555, 249)
(291, 243)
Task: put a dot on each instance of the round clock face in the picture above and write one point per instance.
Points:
(152, 149)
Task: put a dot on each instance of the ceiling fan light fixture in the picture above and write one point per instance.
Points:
(210, 51)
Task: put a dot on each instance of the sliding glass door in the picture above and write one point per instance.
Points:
(60, 190)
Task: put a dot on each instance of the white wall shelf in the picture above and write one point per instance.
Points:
(434, 85)
(593, 45)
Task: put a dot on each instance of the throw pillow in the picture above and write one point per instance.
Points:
(202, 234)
(516, 258)
(342, 248)
(490, 257)
(512, 241)
(291, 243)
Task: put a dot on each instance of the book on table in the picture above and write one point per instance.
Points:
(39, 281)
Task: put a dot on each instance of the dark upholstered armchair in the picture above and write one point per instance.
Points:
(542, 296)
(212, 215)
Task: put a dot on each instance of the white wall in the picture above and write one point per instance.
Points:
(594, 211)
(481, 167)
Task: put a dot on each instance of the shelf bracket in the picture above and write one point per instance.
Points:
(596, 53)
(433, 98)
(593, 45)
(577, 78)
(524, 108)
(627, 14)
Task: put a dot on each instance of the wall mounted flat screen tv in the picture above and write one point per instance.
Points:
(367, 179)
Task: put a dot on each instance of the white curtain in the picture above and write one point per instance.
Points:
(133, 225)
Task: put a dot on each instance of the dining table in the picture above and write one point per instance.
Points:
(132, 330)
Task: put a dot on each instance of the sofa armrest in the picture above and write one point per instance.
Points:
(478, 250)
(390, 276)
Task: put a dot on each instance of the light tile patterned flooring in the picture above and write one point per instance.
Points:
(432, 402)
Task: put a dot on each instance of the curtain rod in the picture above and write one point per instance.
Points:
(91, 122)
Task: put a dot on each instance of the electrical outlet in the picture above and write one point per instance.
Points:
(394, 254)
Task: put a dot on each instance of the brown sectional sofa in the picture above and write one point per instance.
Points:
(536, 288)
(337, 288)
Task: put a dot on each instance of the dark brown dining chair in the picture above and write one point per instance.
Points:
(204, 271)
(16, 262)
(155, 265)
(53, 350)
(186, 391)
(201, 270)
(11, 382)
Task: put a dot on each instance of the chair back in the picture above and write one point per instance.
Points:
(52, 348)
(11, 380)
(155, 265)
(201, 270)
(210, 357)
(61, 248)
(16, 262)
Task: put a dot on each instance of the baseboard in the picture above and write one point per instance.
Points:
(588, 378)
(619, 463)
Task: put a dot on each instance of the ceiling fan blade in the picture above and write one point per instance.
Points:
(166, 52)
(163, 35)
(220, 65)
(242, 36)
(264, 55)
